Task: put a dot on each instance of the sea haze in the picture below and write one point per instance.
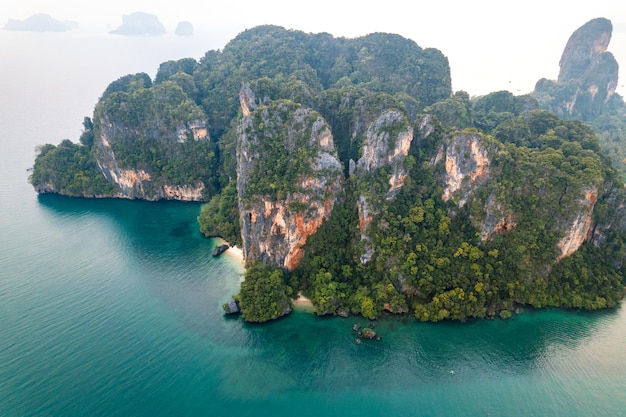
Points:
(113, 308)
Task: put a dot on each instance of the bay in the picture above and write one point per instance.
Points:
(113, 308)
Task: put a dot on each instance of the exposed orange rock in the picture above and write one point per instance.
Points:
(131, 178)
(184, 192)
(505, 225)
(465, 158)
(580, 227)
(396, 182)
(481, 160)
(303, 230)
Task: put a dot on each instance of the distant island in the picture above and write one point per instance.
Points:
(40, 22)
(348, 171)
(184, 29)
(140, 23)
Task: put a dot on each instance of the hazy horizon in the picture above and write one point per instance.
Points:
(490, 45)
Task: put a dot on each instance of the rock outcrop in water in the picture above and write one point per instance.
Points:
(40, 22)
(140, 24)
(184, 29)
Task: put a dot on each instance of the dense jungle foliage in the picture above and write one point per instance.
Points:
(70, 168)
(144, 115)
(428, 258)
(585, 88)
(607, 119)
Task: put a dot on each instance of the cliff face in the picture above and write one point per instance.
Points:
(498, 219)
(466, 164)
(611, 201)
(292, 149)
(136, 182)
(150, 141)
(583, 48)
(278, 218)
(386, 144)
(577, 230)
(588, 73)
(467, 174)
(130, 181)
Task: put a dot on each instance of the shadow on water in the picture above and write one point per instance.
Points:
(137, 215)
(320, 353)
(164, 248)
(148, 228)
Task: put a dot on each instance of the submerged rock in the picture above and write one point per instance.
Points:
(367, 333)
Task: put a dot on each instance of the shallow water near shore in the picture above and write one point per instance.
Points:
(113, 308)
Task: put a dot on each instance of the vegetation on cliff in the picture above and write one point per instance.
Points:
(220, 217)
(585, 88)
(264, 295)
(137, 116)
(398, 195)
(69, 168)
(428, 255)
(157, 129)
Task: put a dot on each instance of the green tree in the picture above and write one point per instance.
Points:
(264, 295)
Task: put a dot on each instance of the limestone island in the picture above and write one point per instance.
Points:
(184, 29)
(140, 24)
(349, 172)
(40, 22)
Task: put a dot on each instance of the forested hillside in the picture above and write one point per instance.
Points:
(347, 170)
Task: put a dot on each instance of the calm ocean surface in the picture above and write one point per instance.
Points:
(113, 308)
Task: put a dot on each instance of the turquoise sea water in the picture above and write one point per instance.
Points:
(112, 308)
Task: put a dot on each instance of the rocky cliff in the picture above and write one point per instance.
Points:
(288, 179)
(386, 144)
(468, 175)
(141, 136)
(584, 47)
(588, 73)
(466, 164)
(136, 182)
(466, 160)
(140, 23)
(326, 167)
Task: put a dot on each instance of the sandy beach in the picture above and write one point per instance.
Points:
(302, 303)
(236, 253)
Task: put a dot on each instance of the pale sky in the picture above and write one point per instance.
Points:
(491, 44)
